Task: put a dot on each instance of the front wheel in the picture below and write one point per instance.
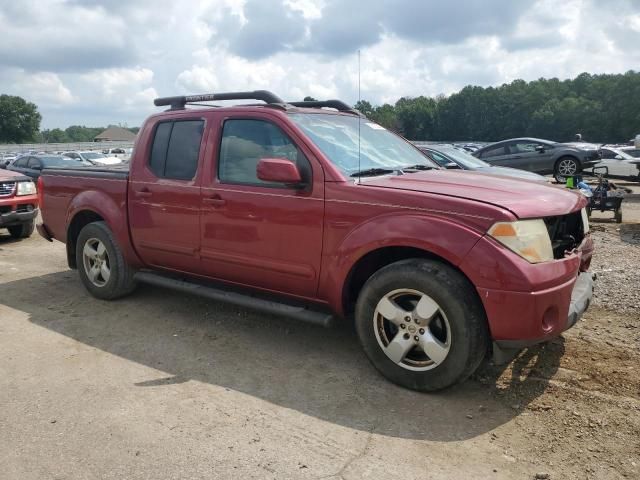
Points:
(101, 265)
(566, 167)
(24, 230)
(421, 324)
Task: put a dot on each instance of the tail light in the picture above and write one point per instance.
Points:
(40, 192)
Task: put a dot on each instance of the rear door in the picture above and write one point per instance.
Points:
(497, 155)
(164, 194)
(525, 156)
(255, 233)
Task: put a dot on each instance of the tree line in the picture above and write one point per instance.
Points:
(603, 108)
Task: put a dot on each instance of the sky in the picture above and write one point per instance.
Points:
(94, 63)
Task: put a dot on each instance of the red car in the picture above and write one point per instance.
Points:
(18, 203)
(318, 214)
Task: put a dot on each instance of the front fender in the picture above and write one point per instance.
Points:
(435, 235)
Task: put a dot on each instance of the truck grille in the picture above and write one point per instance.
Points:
(7, 188)
(566, 232)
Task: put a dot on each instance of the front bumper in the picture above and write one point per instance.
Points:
(548, 324)
(12, 218)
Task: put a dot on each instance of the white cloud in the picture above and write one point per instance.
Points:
(104, 61)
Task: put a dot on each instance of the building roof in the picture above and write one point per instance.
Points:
(116, 134)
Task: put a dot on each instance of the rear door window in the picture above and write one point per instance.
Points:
(493, 152)
(176, 149)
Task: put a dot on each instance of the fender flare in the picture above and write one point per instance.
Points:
(449, 240)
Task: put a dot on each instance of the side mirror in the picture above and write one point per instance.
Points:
(451, 166)
(540, 148)
(36, 167)
(618, 157)
(278, 170)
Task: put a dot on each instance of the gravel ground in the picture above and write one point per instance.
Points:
(161, 385)
(617, 260)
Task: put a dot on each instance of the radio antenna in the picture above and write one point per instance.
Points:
(359, 118)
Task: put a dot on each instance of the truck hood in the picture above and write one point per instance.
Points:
(11, 175)
(523, 198)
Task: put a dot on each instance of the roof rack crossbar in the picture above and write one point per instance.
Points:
(179, 102)
(337, 104)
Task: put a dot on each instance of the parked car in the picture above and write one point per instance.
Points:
(18, 203)
(320, 214)
(6, 160)
(94, 158)
(619, 163)
(541, 156)
(122, 153)
(32, 165)
(449, 156)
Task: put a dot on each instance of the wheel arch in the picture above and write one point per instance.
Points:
(79, 220)
(376, 259)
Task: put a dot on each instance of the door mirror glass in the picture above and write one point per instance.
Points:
(451, 165)
(278, 170)
(540, 148)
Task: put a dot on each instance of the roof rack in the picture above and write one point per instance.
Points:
(337, 104)
(271, 99)
(179, 102)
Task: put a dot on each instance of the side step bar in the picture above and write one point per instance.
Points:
(243, 300)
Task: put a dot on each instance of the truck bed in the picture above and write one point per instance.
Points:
(67, 191)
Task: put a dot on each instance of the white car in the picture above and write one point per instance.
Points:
(122, 153)
(95, 158)
(619, 163)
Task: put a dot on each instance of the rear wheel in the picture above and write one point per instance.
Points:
(566, 167)
(101, 265)
(421, 324)
(24, 230)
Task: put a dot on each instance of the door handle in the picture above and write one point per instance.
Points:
(215, 201)
(144, 193)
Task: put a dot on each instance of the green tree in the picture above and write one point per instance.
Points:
(19, 120)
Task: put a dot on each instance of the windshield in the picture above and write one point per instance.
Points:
(93, 155)
(463, 158)
(337, 137)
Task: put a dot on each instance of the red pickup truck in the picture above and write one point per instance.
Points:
(310, 211)
(18, 203)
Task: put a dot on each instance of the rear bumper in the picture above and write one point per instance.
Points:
(543, 322)
(12, 218)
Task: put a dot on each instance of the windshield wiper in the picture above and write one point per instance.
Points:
(372, 172)
(420, 166)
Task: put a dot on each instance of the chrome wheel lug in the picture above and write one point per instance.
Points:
(421, 331)
(403, 326)
(407, 319)
(406, 336)
(416, 338)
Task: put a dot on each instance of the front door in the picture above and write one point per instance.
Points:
(254, 233)
(164, 195)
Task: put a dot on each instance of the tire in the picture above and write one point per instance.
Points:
(95, 249)
(24, 230)
(618, 216)
(456, 334)
(566, 166)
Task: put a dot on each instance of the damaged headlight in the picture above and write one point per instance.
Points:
(528, 238)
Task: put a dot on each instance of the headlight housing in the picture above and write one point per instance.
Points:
(528, 238)
(26, 188)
